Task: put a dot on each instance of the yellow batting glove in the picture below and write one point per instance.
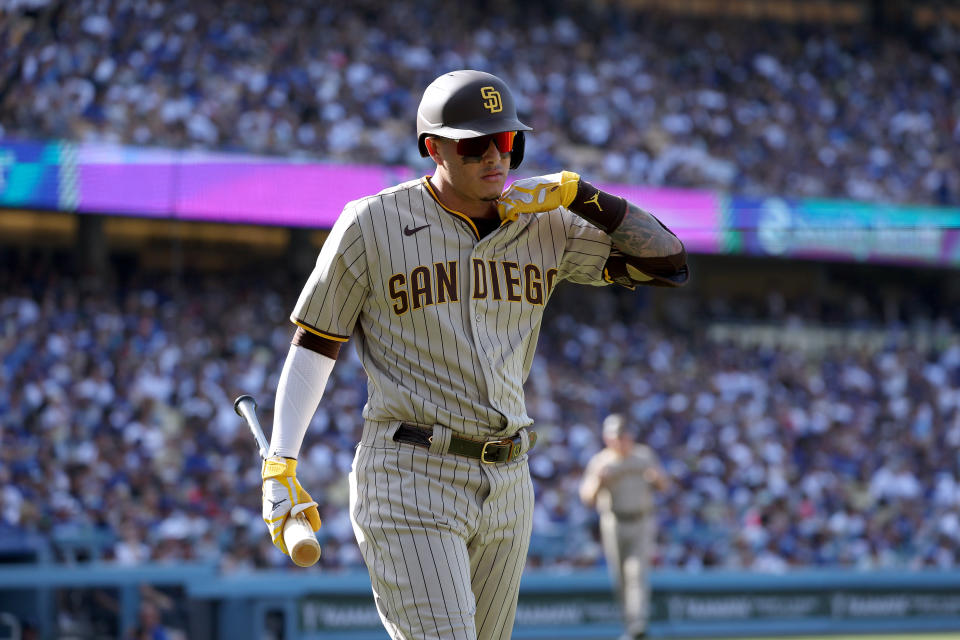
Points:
(533, 195)
(284, 497)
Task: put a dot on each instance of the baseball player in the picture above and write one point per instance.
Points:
(441, 284)
(619, 481)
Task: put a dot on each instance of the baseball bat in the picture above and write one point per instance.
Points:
(297, 533)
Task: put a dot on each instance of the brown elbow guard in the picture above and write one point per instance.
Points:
(603, 210)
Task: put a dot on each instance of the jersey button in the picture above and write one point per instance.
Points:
(479, 318)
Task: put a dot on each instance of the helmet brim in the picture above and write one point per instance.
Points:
(477, 128)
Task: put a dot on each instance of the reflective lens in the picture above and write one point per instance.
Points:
(479, 146)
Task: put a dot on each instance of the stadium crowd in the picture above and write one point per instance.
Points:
(117, 425)
(621, 96)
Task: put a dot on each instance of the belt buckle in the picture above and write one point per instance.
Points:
(505, 442)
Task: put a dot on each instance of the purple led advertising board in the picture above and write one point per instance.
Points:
(223, 187)
(199, 185)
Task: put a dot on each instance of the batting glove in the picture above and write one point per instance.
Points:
(284, 497)
(533, 195)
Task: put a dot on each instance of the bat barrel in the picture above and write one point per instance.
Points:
(246, 407)
(243, 401)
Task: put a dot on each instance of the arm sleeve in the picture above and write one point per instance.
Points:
(333, 296)
(302, 381)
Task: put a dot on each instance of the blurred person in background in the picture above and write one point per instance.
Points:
(619, 482)
(150, 626)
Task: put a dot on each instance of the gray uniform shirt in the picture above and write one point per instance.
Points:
(445, 323)
(627, 493)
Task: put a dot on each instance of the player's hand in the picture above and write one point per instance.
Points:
(284, 497)
(533, 195)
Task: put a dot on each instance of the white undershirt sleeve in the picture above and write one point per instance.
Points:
(302, 381)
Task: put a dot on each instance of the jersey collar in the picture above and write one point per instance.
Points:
(459, 214)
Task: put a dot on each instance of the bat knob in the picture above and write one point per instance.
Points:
(241, 400)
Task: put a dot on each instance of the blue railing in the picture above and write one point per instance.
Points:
(310, 604)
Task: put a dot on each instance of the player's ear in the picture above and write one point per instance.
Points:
(431, 145)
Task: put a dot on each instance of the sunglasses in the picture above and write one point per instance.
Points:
(478, 146)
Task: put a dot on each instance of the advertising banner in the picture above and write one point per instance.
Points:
(221, 187)
(844, 230)
(840, 604)
(238, 188)
(566, 608)
(328, 615)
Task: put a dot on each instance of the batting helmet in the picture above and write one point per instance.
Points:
(469, 104)
(614, 425)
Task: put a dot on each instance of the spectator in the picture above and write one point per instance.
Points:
(149, 625)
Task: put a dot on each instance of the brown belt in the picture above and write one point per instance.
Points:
(488, 452)
(630, 516)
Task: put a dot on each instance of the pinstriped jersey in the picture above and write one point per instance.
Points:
(445, 322)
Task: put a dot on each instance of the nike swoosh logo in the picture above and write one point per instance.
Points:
(278, 502)
(407, 231)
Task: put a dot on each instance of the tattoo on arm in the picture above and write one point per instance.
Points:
(641, 235)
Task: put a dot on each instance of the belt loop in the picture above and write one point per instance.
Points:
(440, 440)
(524, 441)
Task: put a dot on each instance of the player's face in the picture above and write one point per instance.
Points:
(476, 175)
(621, 443)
